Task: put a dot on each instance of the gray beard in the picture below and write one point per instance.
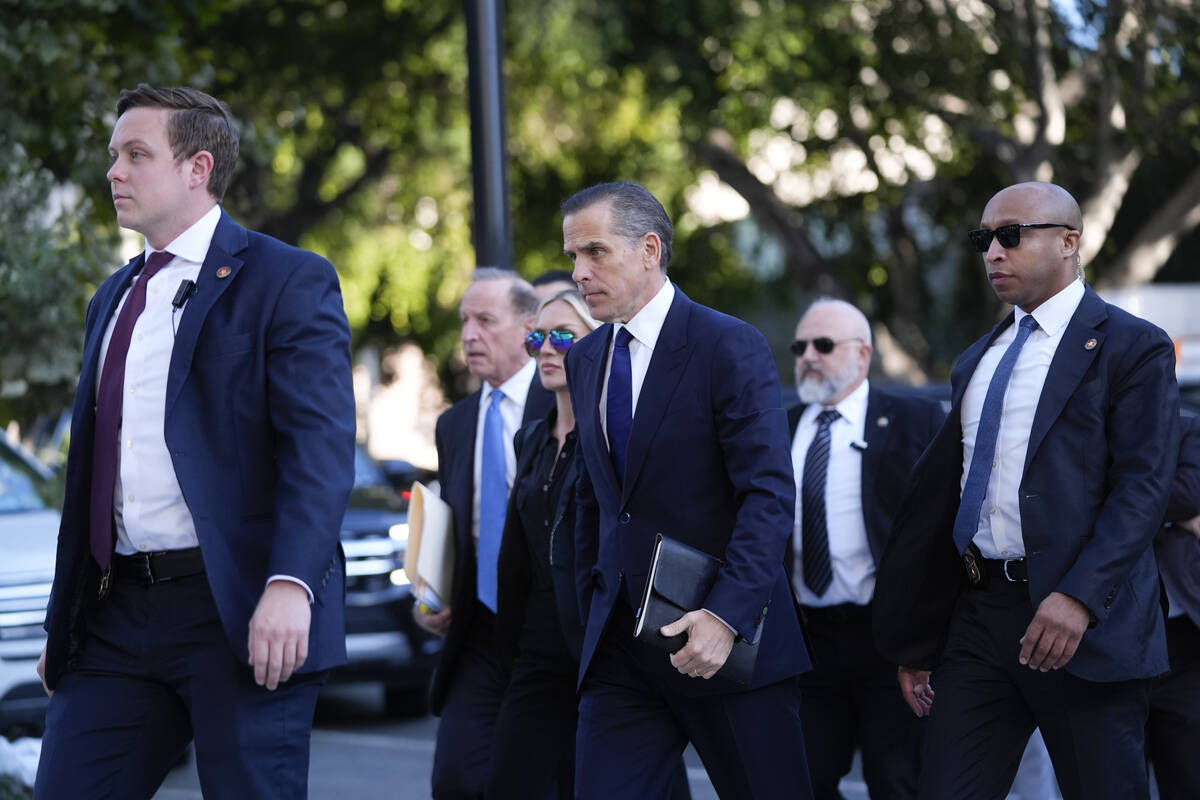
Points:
(815, 390)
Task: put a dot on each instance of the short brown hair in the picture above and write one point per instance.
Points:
(197, 122)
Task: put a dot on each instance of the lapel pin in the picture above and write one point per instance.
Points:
(882, 422)
(1090, 344)
(223, 272)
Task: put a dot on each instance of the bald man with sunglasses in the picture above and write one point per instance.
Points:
(1020, 583)
(853, 449)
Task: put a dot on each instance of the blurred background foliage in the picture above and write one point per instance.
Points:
(839, 147)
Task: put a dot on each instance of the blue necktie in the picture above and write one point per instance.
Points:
(493, 502)
(619, 415)
(966, 524)
(814, 534)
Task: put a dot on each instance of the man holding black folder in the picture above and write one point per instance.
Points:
(682, 433)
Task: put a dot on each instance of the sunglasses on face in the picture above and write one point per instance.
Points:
(560, 339)
(822, 344)
(1009, 236)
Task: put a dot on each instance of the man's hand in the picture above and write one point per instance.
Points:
(41, 671)
(1192, 525)
(708, 645)
(914, 686)
(436, 624)
(279, 633)
(1050, 640)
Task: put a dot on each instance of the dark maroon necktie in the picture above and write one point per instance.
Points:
(108, 412)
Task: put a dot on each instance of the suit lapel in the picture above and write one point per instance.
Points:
(877, 427)
(594, 357)
(1071, 360)
(229, 238)
(671, 353)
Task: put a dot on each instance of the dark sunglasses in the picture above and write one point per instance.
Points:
(822, 344)
(1009, 236)
(560, 339)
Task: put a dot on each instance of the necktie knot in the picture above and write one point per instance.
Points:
(826, 417)
(624, 337)
(497, 395)
(1029, 323)
(155, 262)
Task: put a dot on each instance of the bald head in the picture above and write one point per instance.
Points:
(829, 377)
(1053, 202)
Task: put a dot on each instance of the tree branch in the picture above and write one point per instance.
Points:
(1152, 246)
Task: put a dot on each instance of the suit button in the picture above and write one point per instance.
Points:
(625, 517)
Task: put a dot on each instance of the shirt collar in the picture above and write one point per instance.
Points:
(647, 323)
(515, 388)
(192, 245)
(1054, 313)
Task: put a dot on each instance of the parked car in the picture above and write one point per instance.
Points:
(383, 642)
(28, 537)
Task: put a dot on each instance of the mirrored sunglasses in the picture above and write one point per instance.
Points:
(822, 344)
(560, 339)
(1009, 236)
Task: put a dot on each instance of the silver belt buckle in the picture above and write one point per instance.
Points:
(1008, 577)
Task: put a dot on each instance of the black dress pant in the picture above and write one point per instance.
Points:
(850, 700)
(463, 758)
(1173, 732)
(987, 704)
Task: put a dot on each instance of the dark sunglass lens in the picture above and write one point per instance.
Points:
(561, 340)
(799, 346)
(981, 238)
(1008, 235)
(824, 345)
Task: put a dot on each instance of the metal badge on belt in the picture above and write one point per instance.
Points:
(971, 557)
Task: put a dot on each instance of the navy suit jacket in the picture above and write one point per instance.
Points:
(897, 430)
(708, 464)
(260, 426)
(1178, 551)
(454, 435)
(1100, 460)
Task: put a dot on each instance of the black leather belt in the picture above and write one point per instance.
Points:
(150, 568)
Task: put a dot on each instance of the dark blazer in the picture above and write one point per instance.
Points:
(708, 464)
(1177, 550)
(897, 430)
(454, 435)
(260, 425)
(1099, 464)
(515, 572)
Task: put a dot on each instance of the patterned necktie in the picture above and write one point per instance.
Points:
(818, 570)
(619, 415)
(966, 523)
(106, 442)
(493, 501)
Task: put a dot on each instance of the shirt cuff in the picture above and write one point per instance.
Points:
(296, 581)
(723, 622)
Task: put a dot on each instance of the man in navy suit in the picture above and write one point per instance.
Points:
(704, 460)
(212, 448)
(497, 310)
(853, 449)
(1173, 732)
(1020, 569)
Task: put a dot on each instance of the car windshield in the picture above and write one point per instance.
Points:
(18, 485)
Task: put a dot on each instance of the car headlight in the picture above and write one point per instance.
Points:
(399, 532)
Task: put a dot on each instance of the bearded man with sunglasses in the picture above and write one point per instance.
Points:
(1020, 583)
(853, 449)
(476, 468)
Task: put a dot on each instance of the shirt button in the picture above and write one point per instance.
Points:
(992, 510)
(129, 443)
(143, 547)
(1003, 552)
(131, 499)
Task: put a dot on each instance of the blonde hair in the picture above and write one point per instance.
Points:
(572, 298)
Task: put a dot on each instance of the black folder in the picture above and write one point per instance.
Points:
(679, 580)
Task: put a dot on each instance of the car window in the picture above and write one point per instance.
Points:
(18, 487)
(366, 471)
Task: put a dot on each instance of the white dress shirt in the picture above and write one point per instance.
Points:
(148, 504)
(999, 533)
(512, 411)
(849, 550)
(645, 327)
